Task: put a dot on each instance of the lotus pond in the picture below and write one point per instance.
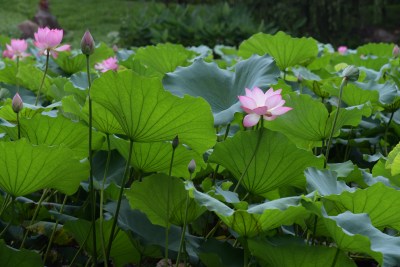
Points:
(281, 152)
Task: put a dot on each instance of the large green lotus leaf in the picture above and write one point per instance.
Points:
(376, 49)
(11, 257)
(379, 169)
(221, 88)
(387, 91)
(325, 182)
(289, 251)
(71, 63)
(30, 77)
(151, 197)
(164, 57)
(393, 161)
(156, 157)
(309, 121)
(122, 250)
(27, 168)
(354, 232)
(369, 62)
(74, 62)
(354, 96)
(28, 111)
(257, 219)
(55, 131)
(103, 120)
(376, 200)
(286, 50)
(147, 113)
(8, 72)
(140, 68)
(267, 160)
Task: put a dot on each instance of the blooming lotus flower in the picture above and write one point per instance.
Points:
(108, 64)
(342, 49)
(256, 103)
(16, 49)
(48, 41)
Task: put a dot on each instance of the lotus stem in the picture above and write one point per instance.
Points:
(252, 157)
(80, 248)
(175, 143)
(102, 241)
(45, 191)
(54, 230)
(328, 146)
(182, 241)
(217, 167)
(92, 193)
(44, 76)
(335, 258)
(12, 217)
(5, 204)
(121, 191)
(18, 127)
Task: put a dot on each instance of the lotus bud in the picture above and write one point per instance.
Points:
(175, 142)
(17, 103)
(87, 44)
(192, 166)
(396, 51)
(351, 73)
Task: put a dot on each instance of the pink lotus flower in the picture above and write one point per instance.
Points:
(48, 41)
(16, 49)
(108, 64)
(342, 49)
(256, 103)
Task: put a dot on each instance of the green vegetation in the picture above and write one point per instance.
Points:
(102, 17)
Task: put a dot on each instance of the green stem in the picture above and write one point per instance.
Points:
(314, 230)
(80, 248)
(18, 126)
(5, 204)
(44, 76)
(213, 230)
(168, 207)
(54, 230)
(103, 247)
(34, 216)
(121, 191)
(12, 217)
(184, 228)
(217, 167)
(336, 257)
(386, 132)
(252, 157)
(92, 192)
(328, 146)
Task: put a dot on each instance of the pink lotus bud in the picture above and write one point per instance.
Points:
(87, 44)
(17, 103)
(192, 166)
(396, 51)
